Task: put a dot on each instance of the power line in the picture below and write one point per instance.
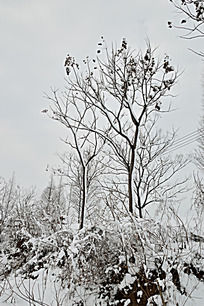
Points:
(186, 140)
(184, 144)
(188, 136)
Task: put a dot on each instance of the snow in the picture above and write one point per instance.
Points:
(101, 262)
(127, 302)
(127, 281)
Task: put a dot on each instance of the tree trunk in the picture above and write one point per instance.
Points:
(84, 196)
(130, 193)
(140, 213)
(130, 180)
(139, 206)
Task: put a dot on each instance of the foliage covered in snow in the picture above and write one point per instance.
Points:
(130, 261)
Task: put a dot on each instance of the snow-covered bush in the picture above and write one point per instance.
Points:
(126, 261)
(131, 262)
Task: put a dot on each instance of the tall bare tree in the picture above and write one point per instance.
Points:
(73, 112)
(155, 170)
(111, 108)
(125, 89)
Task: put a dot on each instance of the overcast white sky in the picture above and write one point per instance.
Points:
(36, 35)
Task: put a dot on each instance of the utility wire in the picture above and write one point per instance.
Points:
(186, 140)
(188, 136)
(182, 145)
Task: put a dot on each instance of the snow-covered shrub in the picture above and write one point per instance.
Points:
(135, 260)
(128, 262)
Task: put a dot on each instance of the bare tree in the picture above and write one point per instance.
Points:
(198, 202)
(191, 21)
(51, 208)
(8, 199)
(125, 90)
(199, 155)
(156, 172)
(192, 17)
(73, 112)
(71, 171)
